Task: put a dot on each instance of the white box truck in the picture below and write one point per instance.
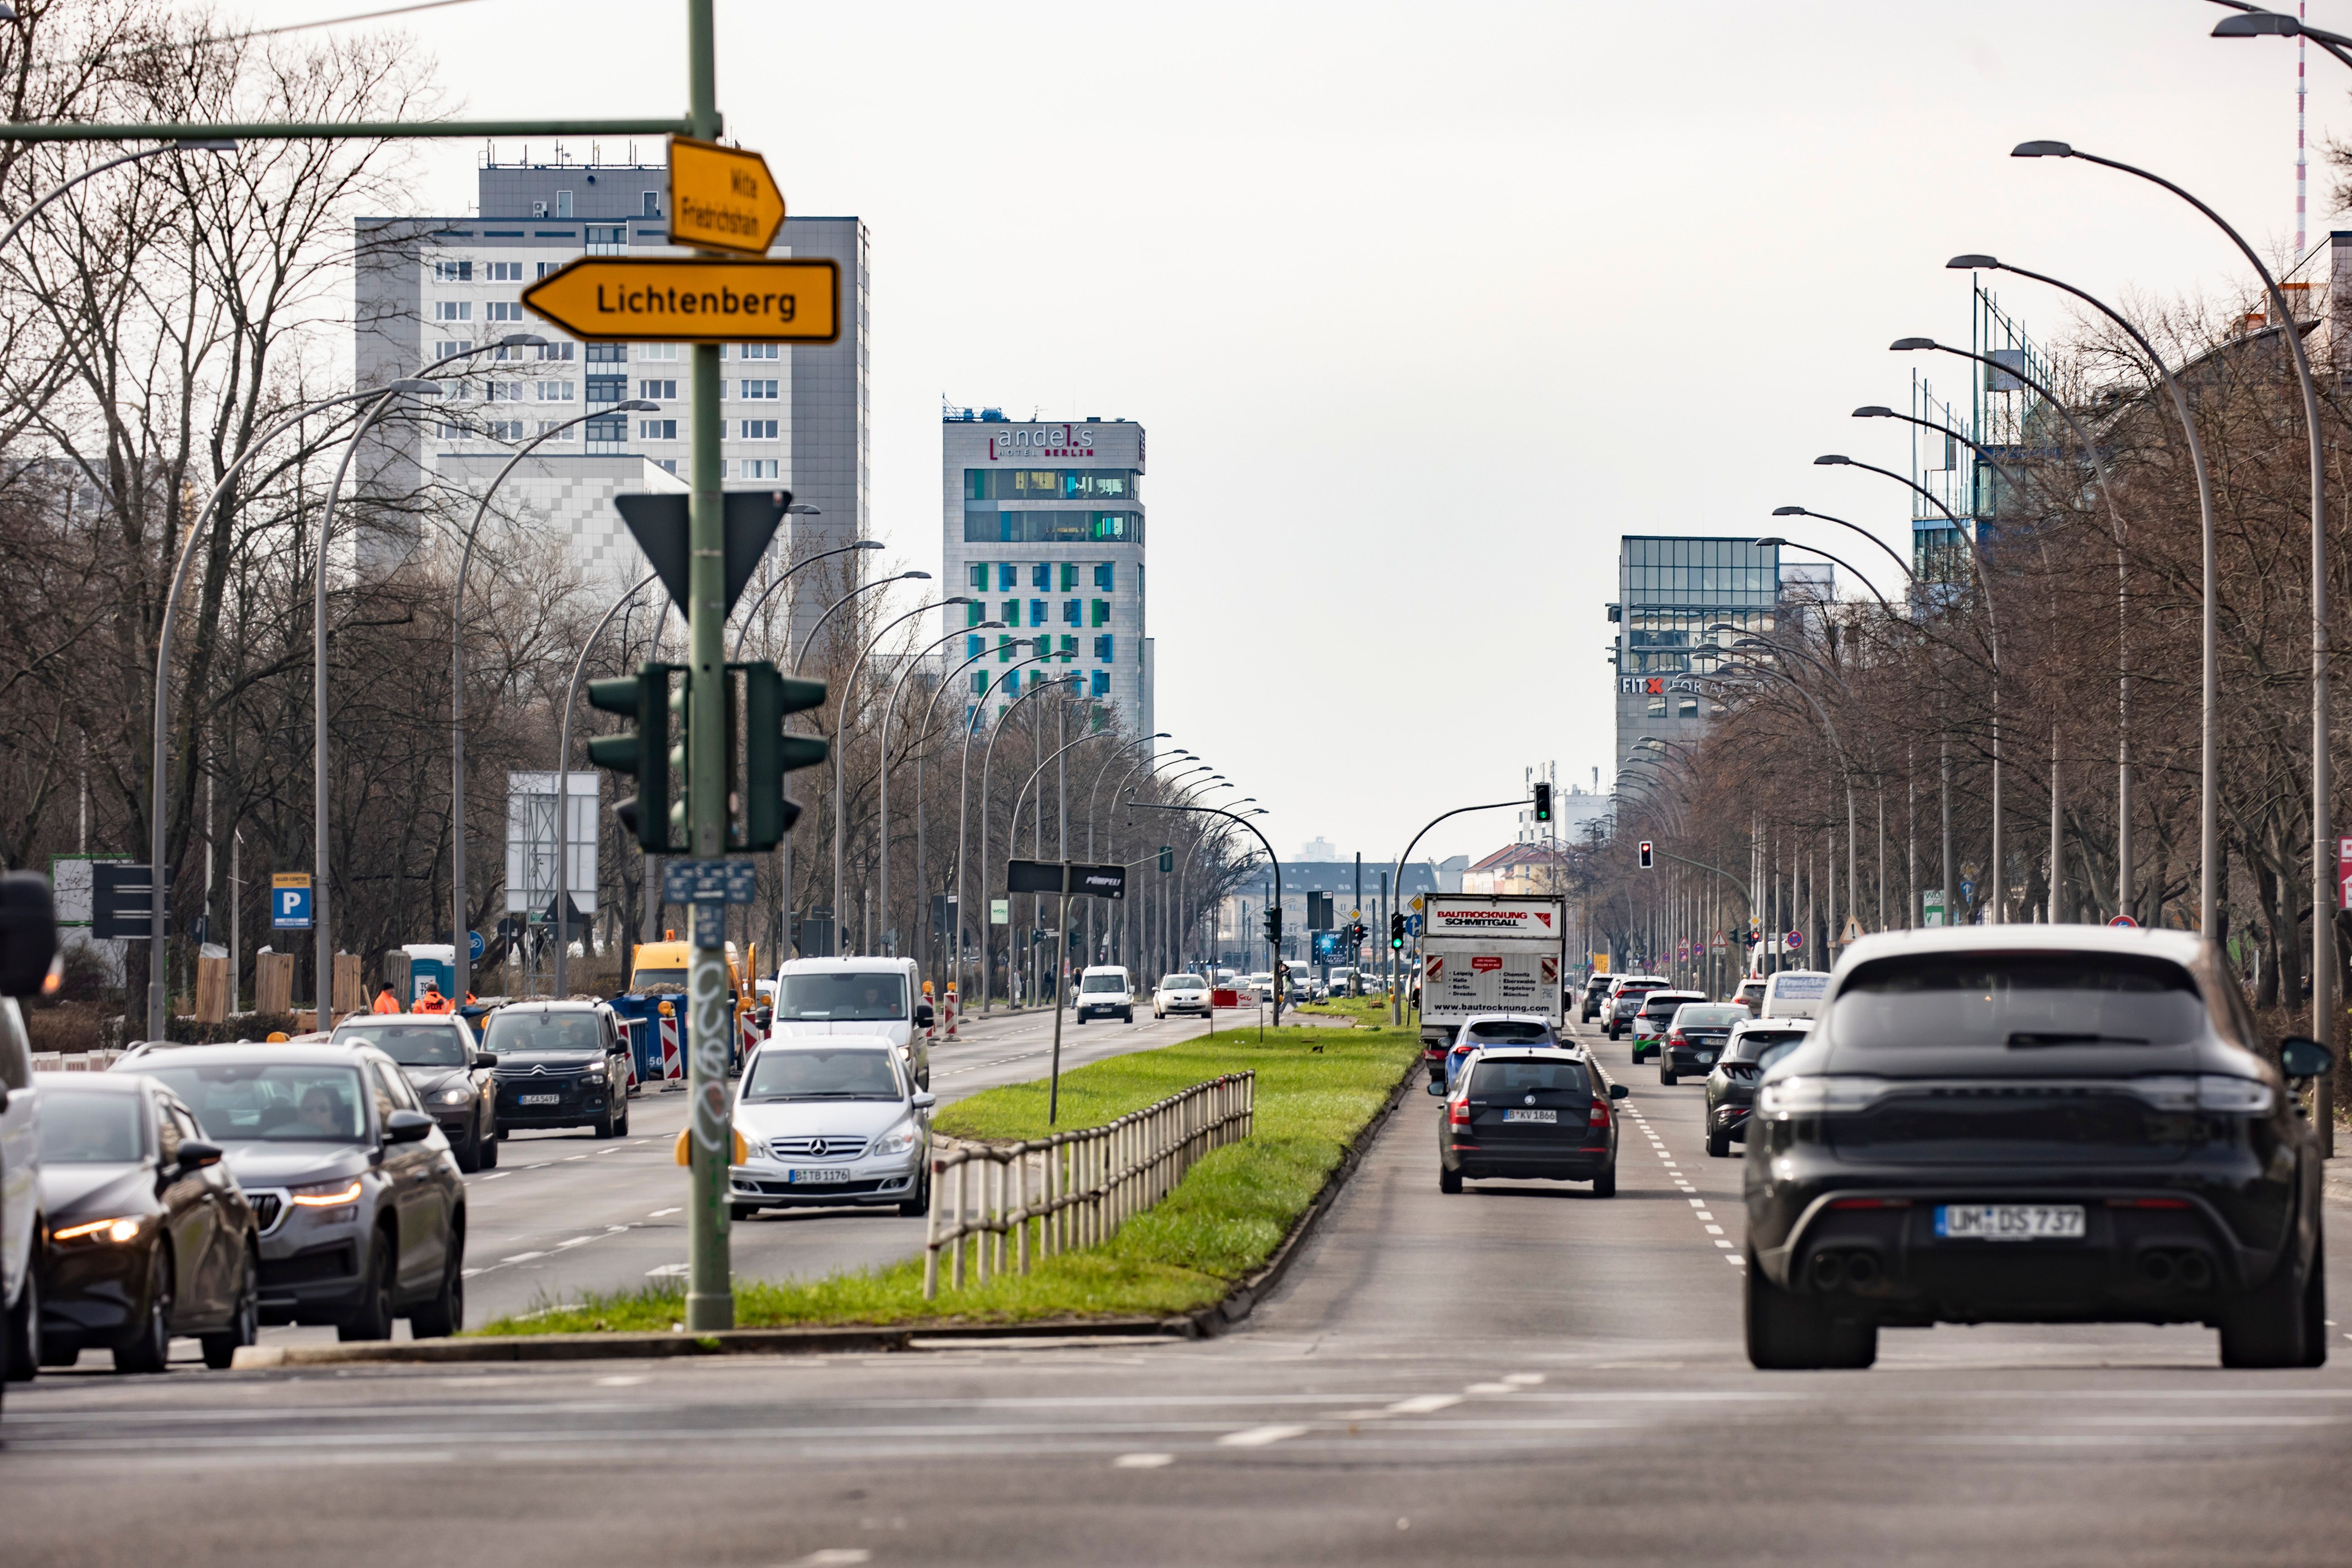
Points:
(1489, 952)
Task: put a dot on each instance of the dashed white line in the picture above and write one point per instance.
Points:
(1259, 1436)
(1142, 1461)
(522, 1257)
(1424, 1404)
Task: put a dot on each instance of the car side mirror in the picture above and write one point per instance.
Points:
(1619, 1091)
(195, 1155)
(28, 933)
(486, 1059)
(406, 1126)
(923, 1015)
(923, 1099)
(2301, 1057)
(1437, 1087)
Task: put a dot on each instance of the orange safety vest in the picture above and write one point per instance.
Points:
(385, 1002)
(434, 1001)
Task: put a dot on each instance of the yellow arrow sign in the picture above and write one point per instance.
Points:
(722, 197)
(612, 299)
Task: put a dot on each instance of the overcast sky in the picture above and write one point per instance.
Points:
(1424, 305)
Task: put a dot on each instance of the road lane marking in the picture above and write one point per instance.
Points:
(522, 1257)
(1716, 1231)
(626, 1382)
(1259, 1436)
(1490, 1388)
(1721, 1243)
(662, 1213)
(1523, 1379)
(1424, 1404)
(1142, 1461)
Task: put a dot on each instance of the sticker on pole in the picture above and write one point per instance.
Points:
(2125, 922)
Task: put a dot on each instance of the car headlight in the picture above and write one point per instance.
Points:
(1818, 1096)
(453, 1096)
(898, 1141)
(326, 1195)
(126, 1228)
(593, 1074)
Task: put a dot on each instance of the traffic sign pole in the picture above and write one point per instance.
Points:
(710, 1289)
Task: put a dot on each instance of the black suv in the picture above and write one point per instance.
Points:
(560, 1064)
(2034, 1124)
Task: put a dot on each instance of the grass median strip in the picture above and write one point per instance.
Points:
(1316, 1087)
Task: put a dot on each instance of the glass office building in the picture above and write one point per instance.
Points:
(1673, 594)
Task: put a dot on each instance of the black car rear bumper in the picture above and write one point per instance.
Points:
(1689, 1059)
(1558, 1163)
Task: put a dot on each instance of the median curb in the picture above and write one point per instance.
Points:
(1206, 1322)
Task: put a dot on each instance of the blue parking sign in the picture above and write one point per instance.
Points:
(289, 900)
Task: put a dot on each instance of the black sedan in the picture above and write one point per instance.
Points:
(1695, 1037)
(148, 1237)
(1529, 1114)
(450, 1074)
(1754, 1046)
(2034, 1124)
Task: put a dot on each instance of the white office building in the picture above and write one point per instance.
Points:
(1043, 526)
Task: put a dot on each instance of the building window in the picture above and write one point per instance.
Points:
(1036, 612)
(557, 351)
(1069, 576)
(980, 578)
(607, 389)
(448, 349)
(1005, 647)
(506, 271)
(564, 204)
(504, 310)
(657, 351)
(1049, 484)
(555, 392)
(652, 208)
(503, 390)
(612, 427)
(753, 430)
(986, 525)
(558, 428)
(1657, 708)
(1685, 707)
(978, 686)
(654, 392)
(1099, 685)
(1005, 575)
(1069, 649)
(453, 310)
(1011, 614)
(759, 469)
(759, 390)
(1103, 645)
(1041, 574)
(1103, 577)
(1069, 614)
(545, 268)
(656, 430)
(605, 239)
(973, 647)
(612, 354)
(450, 432)
(1101, 618)
(453, 272)
(759, 351)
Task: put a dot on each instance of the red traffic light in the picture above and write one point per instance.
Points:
(1645, 855)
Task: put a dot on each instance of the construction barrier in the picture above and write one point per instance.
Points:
(673, 1055)
(951, 1011)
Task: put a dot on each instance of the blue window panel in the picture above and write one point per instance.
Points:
(1011, 615)
(1004, 577)
(1101, 685)
(1103, 574)
(1070, 612)
(974, 647)
(1103, 649)
(1036, 612)
(1040, 575)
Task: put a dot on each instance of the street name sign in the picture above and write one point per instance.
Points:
(723, 198)
(680, 299)
(709, 881)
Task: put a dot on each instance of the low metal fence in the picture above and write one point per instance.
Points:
(1076, 1189)
(75, 1061)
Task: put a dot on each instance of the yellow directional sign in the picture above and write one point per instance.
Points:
(613, 299)
(722, 197)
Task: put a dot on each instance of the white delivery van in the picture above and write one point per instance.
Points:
(1106, 991)
(862, 996)
(1794, 994)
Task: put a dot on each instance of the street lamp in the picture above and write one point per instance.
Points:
(458, 924)
(923, 927)
(562, 763)
(890, 704)
(841, 745)
(743, 630)
(2208, 808)
(1771, 540)
(1396, 880)
(963, 799)
(185, 144)
(1824, 517)
(987, 757)
(929, 709)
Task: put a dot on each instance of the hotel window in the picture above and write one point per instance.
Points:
(1101, 613)
(658, 392)
(656, 429)
(1100, 685)
(1103, 577)
(1103, 645)
(752, 429)
(979, 682)
(1006, 649)
(980, 577)
(973, 647)
(1069, 576)
(1070, 612)
(759, 390)
(1069, 649)
(506, 271)
(974, 614)
(503, 310)
(453, 310)
(453, 272)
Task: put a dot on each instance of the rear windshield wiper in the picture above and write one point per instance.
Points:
(2029, 1039)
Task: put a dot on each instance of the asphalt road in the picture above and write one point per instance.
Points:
(1515, 1374)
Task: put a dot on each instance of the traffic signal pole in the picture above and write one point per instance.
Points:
(710, 1289)
(1396, 987)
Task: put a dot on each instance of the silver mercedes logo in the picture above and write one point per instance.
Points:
(816, 1147)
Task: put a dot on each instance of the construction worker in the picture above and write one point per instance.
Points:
(433, 1001)
(385, 1002)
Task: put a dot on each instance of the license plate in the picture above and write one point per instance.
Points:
(2010, 1222)
(815, 1178)
(538, 1100)
(1547, 1117)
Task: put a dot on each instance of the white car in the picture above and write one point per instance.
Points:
(1105, 991)
(1261, 985)
(1180, 993)
(831, 1122)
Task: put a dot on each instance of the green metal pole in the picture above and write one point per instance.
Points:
(710, 1291)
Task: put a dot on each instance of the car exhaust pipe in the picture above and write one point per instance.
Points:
(2195, 1273)
(2155, 1268)
(1860, 1268)
(1828, 1270)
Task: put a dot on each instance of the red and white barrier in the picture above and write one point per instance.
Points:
(950, 1005)
(747, 1036)
(673, 1057)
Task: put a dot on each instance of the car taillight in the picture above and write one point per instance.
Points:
(1600, 1117)
(1458, 1113)
(1675, 1038)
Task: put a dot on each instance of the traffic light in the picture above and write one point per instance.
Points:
(1645, 855)
(642, 753)
(1396, 933)
(769, 698)
(1274, 924)
(1166, 859)
(1543, 803)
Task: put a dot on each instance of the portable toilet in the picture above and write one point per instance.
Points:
(433, 962)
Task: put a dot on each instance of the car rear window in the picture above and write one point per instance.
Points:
(410, 1045)
(1497, 1080)
(1765, 1045)
(2017, 1001)
(1511, 1032)
(1714, 1015)
(1659, 1006)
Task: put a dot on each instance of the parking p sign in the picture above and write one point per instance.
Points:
(289, 900)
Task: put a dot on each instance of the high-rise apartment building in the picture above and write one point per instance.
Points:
(796, 415)
(1044, 527)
